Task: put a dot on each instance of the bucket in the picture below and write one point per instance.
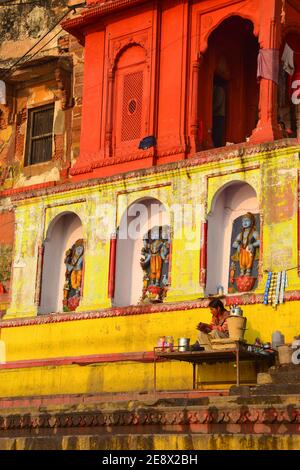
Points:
(285, 354)
(236, 327)
(183, 344)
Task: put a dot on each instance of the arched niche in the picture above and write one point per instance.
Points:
(229, 203)
(62, 234)
(135, 223)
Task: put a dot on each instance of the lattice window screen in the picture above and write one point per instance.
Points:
(131, 125)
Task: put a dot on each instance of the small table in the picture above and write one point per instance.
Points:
(200, 357)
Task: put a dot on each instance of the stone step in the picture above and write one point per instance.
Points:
(37, 401)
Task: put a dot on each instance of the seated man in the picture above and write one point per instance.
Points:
(217, 329)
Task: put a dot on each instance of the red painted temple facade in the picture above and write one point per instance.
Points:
(226, 141)
(151, 70)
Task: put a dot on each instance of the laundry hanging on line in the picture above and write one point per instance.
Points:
(268, 64)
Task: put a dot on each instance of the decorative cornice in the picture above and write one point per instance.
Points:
(103, 162)
(240, 299)
(208, 156)
(105, 313)
(93, 12)
(236, 419)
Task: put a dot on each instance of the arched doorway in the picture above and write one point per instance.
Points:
(228, 85)
(132, 243)
(231, 202)
(64, 234)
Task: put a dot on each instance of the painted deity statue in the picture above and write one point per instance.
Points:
(73, 276)
(155, 264)
(247, 243)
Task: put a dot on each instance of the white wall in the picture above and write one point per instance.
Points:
(129, 274)
(229, 204)
(62, 233)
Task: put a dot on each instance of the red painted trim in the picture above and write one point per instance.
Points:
(261, 249)
(240, 299)
(26, 189)
(143, 188)
(112, 266)
(203, 253)
(4, 298)
(147, 356)
(170, 263)
(298, 223)
(232, 172)
(39, 274)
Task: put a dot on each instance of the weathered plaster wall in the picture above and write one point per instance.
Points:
(35, 86)
(25, 25)
(137, 330)
(100, 208)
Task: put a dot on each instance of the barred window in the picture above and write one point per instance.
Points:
(39, 135)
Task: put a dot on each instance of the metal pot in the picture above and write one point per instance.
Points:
(183, 344)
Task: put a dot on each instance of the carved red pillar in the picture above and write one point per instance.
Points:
(39, 274)
(109, 114)
(195, 104)
(203, 254)
(267, 128)
(112, 266)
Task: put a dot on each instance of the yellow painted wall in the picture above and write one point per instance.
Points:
(136, 333)
(127, 334)
(274, 176)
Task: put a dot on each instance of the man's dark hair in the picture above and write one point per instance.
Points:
(215, 303)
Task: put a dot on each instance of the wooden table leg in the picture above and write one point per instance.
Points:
(194, 376)
(154, 363)
(237, 354)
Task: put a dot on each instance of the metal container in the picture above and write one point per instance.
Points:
(183, 344)
(169, 345)
(161, 342)
(277, 339)
(236, 311)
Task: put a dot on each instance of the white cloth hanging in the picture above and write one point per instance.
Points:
(288, 60)
(2, 92)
